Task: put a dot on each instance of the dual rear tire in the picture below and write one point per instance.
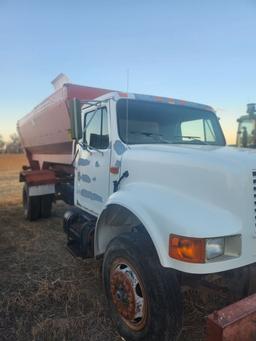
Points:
(36, 207)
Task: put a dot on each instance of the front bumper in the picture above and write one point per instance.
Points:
(240, 282)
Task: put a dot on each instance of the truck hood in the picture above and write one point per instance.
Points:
(193, 160)
(198, 191)
(217, 176)
(213, 154)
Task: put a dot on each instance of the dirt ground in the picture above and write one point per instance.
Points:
(45, 293)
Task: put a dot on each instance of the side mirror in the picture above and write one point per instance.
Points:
(75, 119)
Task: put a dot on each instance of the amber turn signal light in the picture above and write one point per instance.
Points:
(187, 249)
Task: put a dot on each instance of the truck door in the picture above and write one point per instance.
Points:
(92, 168)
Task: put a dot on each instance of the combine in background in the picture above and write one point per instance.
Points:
(246, 133)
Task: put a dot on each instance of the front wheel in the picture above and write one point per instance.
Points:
(144, 299)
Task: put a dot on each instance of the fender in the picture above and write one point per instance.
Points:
(162, 212)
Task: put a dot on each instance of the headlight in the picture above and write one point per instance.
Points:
(214, 247)
(202, 250)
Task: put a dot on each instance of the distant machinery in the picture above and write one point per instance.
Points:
(246, 132)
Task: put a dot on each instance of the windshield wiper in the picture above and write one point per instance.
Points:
(193, 139)
(148, 134)
(188, 136)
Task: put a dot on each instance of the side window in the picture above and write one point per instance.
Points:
(96, 134)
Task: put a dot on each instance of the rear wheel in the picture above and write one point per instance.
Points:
(46, 206)
(31, 205)
(144, 298)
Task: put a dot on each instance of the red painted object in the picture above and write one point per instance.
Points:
(45, 131)
(38, 177)
(114, 170)
(236, 322)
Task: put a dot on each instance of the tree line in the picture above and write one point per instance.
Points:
(12, 146)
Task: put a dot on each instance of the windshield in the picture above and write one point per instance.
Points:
(146, 122)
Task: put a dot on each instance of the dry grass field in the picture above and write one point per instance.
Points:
(10, 188)
(45, 293)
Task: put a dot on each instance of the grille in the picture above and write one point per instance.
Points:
(254, 193)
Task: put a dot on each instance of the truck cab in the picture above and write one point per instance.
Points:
(158, 177)
(116, 124)
(157, 159)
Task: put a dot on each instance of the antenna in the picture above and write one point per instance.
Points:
(127, 102)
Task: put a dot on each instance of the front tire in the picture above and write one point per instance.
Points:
(144, 298)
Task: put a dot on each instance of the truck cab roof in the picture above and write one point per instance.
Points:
(116, 95)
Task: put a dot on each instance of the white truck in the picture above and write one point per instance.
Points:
(157, 195)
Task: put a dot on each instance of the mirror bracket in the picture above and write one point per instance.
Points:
(75, 119)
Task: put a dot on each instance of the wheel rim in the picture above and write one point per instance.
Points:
(128, 294)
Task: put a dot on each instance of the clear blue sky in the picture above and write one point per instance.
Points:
(199, 50)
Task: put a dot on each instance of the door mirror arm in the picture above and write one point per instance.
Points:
(74, 108)
(89, 148)
(83, 145)
(93, 148)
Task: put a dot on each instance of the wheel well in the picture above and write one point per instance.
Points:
(115, 220)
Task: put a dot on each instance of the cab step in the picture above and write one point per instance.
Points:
(73, 247)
